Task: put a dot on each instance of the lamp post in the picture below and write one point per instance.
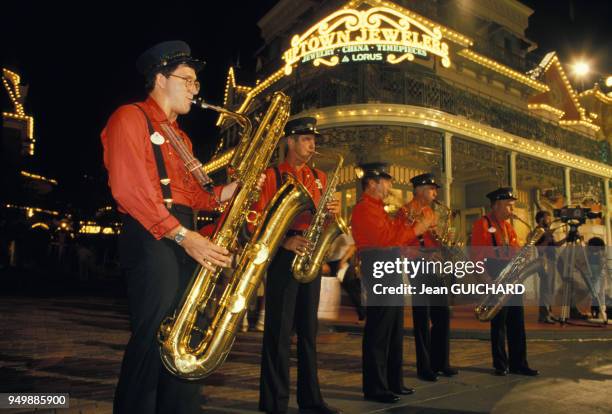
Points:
(581, 70)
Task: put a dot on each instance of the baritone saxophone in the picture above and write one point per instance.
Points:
(193, 352)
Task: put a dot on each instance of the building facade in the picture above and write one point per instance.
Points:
(437, 86)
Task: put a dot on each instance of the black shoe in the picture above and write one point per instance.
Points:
(576, 314)
(525, 371)
(428, 376)
(321, 409)
(448, 372)
(405, 391)
(386, 398)
(500, 372)
(547, 319)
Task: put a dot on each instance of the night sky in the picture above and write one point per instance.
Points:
(79, 63)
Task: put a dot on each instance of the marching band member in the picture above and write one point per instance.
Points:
(158, 248)
(495, 229)
(375, 232)
(432, 343)
(290, 303)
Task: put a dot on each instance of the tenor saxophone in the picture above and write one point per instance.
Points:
(515, 272)
(306, 267)
(183, 353)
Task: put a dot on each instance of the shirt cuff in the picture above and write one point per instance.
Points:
(160, 229)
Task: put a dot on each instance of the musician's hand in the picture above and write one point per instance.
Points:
(297, 244)
(333, 206)
(325, 269)
(205, 252)
(424, 224)
(261, 182)
(228, 191)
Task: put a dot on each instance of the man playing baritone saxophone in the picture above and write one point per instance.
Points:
(495, 229)
(377, 236)
(158, 248)
(290, 303)
(432, 343)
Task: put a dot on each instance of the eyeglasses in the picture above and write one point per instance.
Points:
(190, 83)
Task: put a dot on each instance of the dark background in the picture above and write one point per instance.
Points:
(79, 62)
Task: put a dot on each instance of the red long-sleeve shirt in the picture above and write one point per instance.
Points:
(504, 234)
(305, 176)
(373, 227)
(132, 171)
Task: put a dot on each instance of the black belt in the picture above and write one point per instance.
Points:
(181, 209)
(292, 233)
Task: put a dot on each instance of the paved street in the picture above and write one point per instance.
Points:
(74, 344)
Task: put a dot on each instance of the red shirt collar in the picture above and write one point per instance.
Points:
(288, 167)
(156, 113)
(370, 199)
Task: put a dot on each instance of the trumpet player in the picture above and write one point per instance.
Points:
(156, 196)
(495, 230)
(289, 303)
(377, 236)
(430, 313)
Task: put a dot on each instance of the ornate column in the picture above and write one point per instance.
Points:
(567, 186)
(607, 211)
(512, 170)
(447, 167)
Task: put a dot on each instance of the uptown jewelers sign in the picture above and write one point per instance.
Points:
(377, 34)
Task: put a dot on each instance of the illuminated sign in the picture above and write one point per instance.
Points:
(377, 34)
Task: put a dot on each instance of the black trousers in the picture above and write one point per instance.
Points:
(431, 337)
(157, 273)
(431, 326)
(382, 350)
(510, 323)
(289, 304)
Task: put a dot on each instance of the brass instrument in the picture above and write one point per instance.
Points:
(515, 272)
(445, 235)
(177, 334)
(306, 267)
(236, 157)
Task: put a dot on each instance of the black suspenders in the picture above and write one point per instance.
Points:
(161, 166)
(493, 240)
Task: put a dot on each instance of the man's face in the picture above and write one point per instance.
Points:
(382, 188)
(426, 193)
(180, 90)
(546, 220)
(503, 209)
(302, 147)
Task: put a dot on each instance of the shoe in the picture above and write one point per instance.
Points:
(428, 376)
(405, 391)
(525, 371)
(448, 372)
(321, 409)
(576, 314)
(386, 398)
(547, 319)
(500, 372)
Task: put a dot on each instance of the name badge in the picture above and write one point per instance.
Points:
(492, 229)
(157, 138)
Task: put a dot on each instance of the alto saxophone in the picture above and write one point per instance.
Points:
(306, 267)
(182, 351)
(515, 272)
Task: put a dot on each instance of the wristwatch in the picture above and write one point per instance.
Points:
(180, 235)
